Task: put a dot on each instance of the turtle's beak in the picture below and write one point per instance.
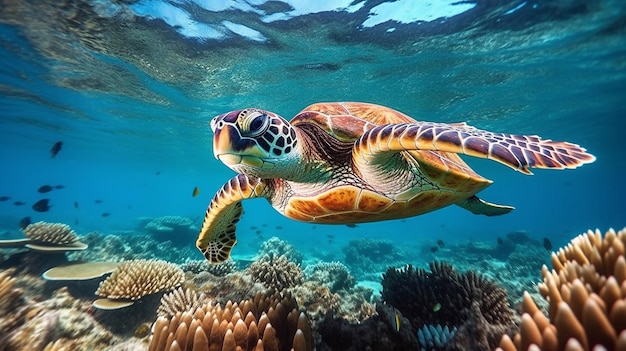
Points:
(231, 148)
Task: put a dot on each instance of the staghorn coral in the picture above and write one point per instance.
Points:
(472, 304)
(586, 291)
(179, 300)
(276, 272)
(133, 280)
(267, 322)
(54, 233)
(334, 275)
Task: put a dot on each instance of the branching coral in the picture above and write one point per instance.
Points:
(179, 300)
(586, 290)
(263, 323)
(475, 306)
(218, 270)
(276, 272)
(277, 247)
(133, 280)
(334, 275)
(55, 233)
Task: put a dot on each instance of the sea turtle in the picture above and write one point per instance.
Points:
(351, 162)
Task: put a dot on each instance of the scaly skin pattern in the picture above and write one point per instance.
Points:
(217, 236)
(519, 152)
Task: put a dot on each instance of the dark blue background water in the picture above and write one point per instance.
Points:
(130, 91)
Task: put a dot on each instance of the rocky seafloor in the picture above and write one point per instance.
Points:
(139, 291)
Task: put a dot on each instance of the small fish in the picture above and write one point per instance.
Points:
(44, 189)
(547, 244)
(434, 249)
(500, 241)
(59, 186)
(4, 198)
(437, 307)
(75, 204)
(75, 221)
(351, 225)
(195, 192)
(252, 227)
(440, 243)
(56, 148)
(279, 227)
(19, 203)
(157, 172)
(394, 318)
(105, 214)
(42, 205)
(24, 222)
(98, 201)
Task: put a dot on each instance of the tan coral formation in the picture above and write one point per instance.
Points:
(179, 300)
(268, 323)
(54, 233)
(276, 272)
(135, 279)
(586, 291)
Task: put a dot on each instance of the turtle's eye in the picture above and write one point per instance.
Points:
(254, 124)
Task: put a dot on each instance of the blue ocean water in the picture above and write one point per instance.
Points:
(130, 87)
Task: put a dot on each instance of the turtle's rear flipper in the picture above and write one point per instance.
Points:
(479, 206)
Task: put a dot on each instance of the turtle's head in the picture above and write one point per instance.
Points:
(255, 142)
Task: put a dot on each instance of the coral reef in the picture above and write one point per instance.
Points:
(179, 230)
(276, 272)
(586, 291)
(433, 337)
(130, 246)
(43, 236)
(475, 306)
(236, 286)
(263, 323)
(275, 247)
(369, 258)
(80, 271)
(57, 323)
(133, 280)
(179, 300)
(219, 270)
(334, 275)
(54, 233)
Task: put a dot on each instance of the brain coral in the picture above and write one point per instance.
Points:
(55, 233)
(276, 272)
(269, 323)
(586, 291)
(134, 279)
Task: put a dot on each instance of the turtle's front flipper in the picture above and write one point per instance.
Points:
(477, 205)
(519, 152)
(217, 236)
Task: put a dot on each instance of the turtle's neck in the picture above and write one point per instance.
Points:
(316, 155)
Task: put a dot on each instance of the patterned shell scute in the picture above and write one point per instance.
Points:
(349, 120)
